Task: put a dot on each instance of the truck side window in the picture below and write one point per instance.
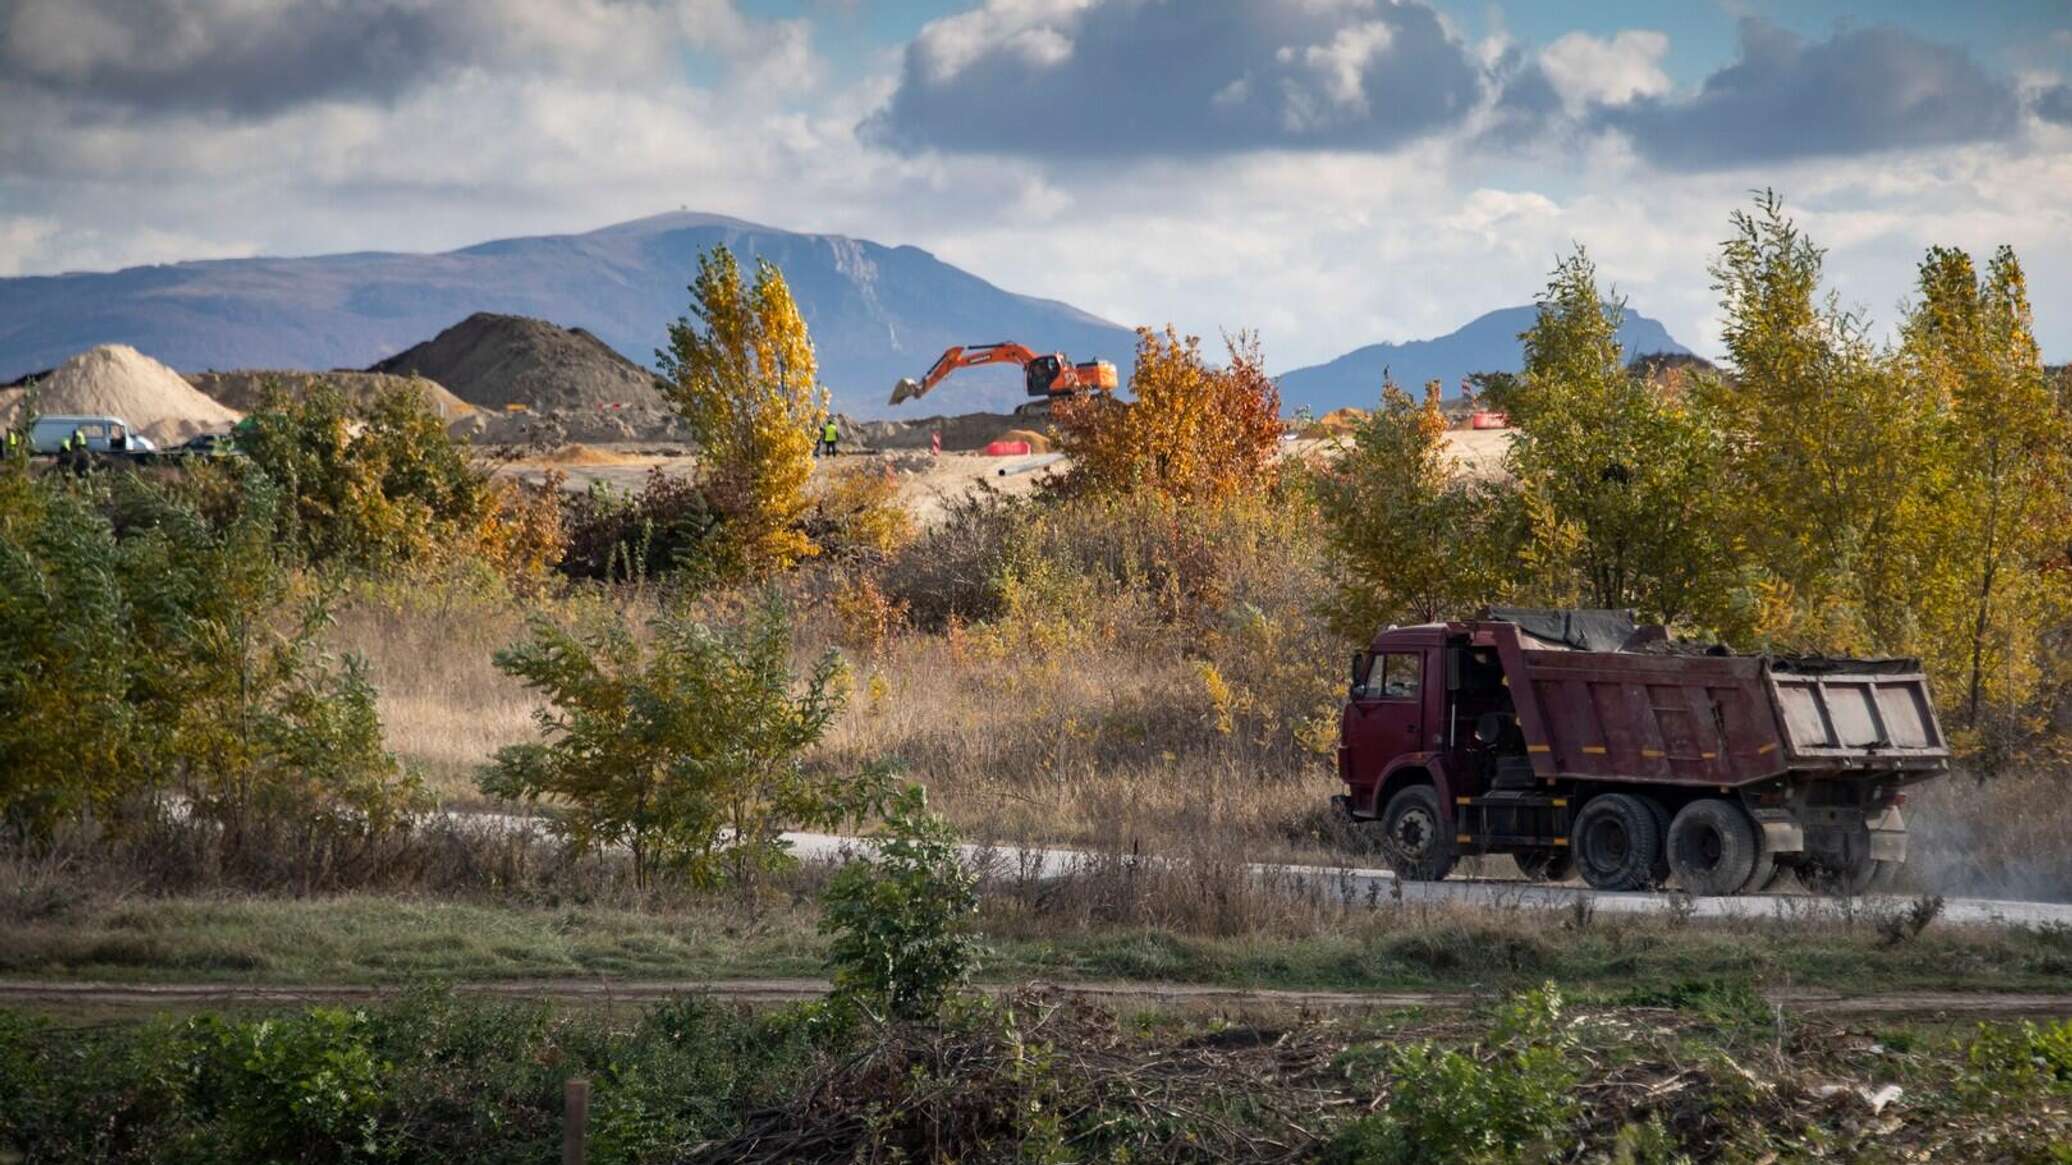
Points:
(1399, 676)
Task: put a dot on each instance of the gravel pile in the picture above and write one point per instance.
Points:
(117, 380)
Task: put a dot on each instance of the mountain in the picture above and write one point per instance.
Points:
(1488, 344)
(877, 313)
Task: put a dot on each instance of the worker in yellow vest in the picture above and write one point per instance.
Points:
(829, 435)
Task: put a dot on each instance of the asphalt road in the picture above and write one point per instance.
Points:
(1359, 884)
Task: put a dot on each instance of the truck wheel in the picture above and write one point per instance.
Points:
(1712, 847)
(1615, 842)
(1544, 865)
(1658, 874)
(1415, 837)
(1767, 872)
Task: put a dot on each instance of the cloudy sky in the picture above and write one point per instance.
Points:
(1331, 172)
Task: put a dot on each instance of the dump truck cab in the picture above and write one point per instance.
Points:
(1579, 741)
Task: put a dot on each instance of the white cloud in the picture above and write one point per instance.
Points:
(945, 47)
(1341, 66)
(1322, 249)
(1585, 69)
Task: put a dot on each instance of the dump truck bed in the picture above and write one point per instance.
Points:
(1720, 721)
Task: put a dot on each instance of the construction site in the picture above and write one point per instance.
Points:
(523, 714)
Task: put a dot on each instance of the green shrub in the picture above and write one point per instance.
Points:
(1510, 1099)
(684, 746)
(307, 1087)
(372, 487)
(174, 653)
(427, 1078)
(2018, 1063)
(901, 917)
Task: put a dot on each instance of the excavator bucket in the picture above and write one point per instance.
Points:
(907, 389)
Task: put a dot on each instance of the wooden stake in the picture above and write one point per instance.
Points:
(575, 1122)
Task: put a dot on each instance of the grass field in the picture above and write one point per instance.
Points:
(391, 939)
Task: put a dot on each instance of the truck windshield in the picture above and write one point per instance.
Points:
(1396, 676)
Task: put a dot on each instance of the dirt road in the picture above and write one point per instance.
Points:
(155, 997)
(925, 483)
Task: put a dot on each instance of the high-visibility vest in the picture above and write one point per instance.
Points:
(830, 433)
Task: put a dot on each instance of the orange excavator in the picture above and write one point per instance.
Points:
(1053, 377)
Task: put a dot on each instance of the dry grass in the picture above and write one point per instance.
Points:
(2006, 837)
(429, 648)
(1116, 700)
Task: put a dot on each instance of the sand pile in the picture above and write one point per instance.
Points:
(564, 374)
(1338, 421)
(118, 380)
(246, 390)
(1038, 443)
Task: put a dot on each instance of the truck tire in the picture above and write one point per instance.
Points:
(1767, 872)
(1616, 841)
(1713, 847)
(1415, 839)
(1544, 865)
(1658, 874)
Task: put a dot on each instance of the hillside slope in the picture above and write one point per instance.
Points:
(1487, 344)
(877, 313)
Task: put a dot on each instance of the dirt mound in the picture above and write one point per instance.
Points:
(1038, 443)
(960, 434)
(1338, 421)
(118, 380)
(492, 361)
(245, 390)
(569, 384)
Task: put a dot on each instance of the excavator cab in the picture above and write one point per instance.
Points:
(1043, 372)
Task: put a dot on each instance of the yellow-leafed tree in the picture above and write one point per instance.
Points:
(1195, 432)
(741, 371)
(2000, 497)
(1828, 446)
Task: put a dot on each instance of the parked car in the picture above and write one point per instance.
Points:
(208, 445)
(104, 434)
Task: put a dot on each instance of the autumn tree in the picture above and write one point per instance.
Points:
(1409, 533)
(1194, 432)
(1825, 438)
(1617, 482)
(741, 371)
(2002, 484)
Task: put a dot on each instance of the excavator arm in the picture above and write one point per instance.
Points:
(961, 357)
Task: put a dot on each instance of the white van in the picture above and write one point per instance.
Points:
(104, 434)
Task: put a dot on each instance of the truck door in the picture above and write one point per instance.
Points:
(1387, 713)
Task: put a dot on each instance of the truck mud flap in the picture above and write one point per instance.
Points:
(1782, 833)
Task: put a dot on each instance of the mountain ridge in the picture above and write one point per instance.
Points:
(877, 312)
(1487, 343)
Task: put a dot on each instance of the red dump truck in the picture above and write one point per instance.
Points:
(1575, 741)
